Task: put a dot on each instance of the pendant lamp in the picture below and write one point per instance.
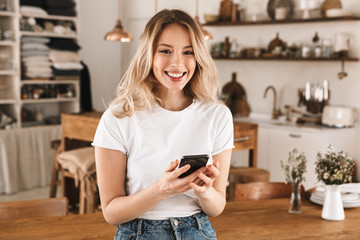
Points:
(118, 33)
(206, 33)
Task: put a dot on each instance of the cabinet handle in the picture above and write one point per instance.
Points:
(294, 135)
(242, 139)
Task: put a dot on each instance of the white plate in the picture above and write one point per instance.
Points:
(349, 201)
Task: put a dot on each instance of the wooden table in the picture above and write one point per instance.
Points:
(263, 219)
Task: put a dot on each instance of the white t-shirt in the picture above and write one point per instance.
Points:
(151, 140)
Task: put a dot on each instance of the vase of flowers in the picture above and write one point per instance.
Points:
(294, 170)
(334, 169)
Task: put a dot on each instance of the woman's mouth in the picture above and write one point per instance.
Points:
(175, 76)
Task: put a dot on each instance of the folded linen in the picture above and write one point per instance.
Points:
(32, 10)
(35, 40)
(36, 3)
(34, 53)
(35, 58)
(64, 56)
(37, 64)
(62, 12)
(58, 72)
(67, 65)
(53, 4)
(34, 46)
(64, 44)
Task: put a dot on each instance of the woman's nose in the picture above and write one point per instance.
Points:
(177, 60)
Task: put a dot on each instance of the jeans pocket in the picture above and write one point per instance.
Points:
(124, 234)
(207, 231)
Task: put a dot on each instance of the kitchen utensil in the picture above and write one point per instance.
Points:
(330, 4)
(276, 45)
(274, 4)
(338, 116)
(342, 42)
(342, 74)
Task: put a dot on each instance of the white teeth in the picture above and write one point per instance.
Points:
(176, 75)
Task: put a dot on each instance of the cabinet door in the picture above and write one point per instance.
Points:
(281, 142)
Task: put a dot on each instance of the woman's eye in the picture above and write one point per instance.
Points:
(165, 51)
(189, 53)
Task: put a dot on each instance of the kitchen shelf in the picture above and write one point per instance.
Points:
(288, 59)
(289, 21)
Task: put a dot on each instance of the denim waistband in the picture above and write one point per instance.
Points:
(180, 222)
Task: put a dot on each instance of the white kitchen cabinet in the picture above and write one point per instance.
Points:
(275, 143)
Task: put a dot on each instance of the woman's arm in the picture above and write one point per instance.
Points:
(212, 193)
(117, 207)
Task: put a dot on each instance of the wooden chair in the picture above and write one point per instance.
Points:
(264, 190)
(245, 138)
(48, 207)
(75, 161)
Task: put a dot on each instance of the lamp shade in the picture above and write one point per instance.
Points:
(118, 33)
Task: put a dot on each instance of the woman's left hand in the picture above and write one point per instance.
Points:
(205, 178)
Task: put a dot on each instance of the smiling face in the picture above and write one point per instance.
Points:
(174, 61)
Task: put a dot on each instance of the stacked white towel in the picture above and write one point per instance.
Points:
(35, 57)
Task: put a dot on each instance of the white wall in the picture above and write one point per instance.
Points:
(103, 58)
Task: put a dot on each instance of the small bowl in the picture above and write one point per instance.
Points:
(211, 18)
(337, 12)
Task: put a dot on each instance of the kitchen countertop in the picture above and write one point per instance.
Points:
(264, 120)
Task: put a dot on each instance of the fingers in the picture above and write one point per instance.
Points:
(172, 166)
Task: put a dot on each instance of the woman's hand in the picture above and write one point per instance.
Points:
(205, 178)
(170, 183)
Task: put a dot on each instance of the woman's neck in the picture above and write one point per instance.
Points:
(176, 102)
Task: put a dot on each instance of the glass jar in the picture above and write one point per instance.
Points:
(295, 200)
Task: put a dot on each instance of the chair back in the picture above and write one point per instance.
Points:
(264, 190)
(48, 207)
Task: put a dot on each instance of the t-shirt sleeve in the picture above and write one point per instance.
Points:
(108, 133)
(224, 131)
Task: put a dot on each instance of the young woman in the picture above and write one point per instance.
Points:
(166, 107)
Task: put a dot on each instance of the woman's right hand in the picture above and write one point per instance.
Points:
(170, 183)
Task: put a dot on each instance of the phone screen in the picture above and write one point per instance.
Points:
(196, 162)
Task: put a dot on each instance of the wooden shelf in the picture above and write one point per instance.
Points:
(7, 101)
(288, 59)
(7, 43)
(47, 34)
(48, 100)
(7, 14)
(7, 72)
(51, 17)
(44, 82)
(290, 21)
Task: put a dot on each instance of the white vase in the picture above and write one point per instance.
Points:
(333, 207)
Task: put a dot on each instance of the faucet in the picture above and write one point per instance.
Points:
(275, 112)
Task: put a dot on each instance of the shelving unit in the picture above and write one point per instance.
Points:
(11, 83)
(289, 21)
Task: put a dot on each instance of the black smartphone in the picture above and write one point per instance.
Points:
(196, 162)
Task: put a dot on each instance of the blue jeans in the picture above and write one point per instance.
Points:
(195, 227)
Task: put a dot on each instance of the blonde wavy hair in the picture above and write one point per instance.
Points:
(137, 89)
